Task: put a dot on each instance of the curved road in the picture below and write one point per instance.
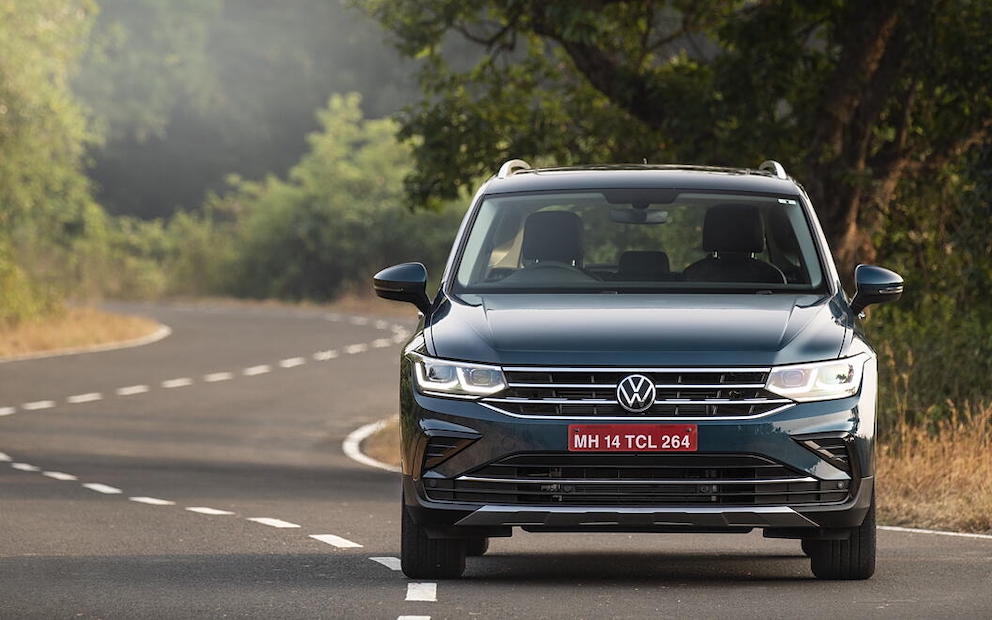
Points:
(203, 476)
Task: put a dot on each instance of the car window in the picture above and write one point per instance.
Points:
(638, 240)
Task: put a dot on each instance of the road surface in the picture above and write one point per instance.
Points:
(203, 476)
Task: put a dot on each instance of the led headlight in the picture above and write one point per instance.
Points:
(819, 381)
(445, 378)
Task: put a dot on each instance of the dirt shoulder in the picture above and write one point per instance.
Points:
(74, 328)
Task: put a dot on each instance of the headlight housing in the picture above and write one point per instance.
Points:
(818, 381)
(459, 379)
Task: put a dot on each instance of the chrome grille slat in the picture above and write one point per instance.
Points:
(590, 393)
(671, 479)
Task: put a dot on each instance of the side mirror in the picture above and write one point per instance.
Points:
(875, 285)
(406, 282)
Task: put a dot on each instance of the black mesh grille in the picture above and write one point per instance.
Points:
(637, 479)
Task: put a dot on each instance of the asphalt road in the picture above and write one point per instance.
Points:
(240, 414)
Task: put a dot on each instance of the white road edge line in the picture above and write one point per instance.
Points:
(106, 489)
(421, 592)
(175, 383)
(251, 371)
(89, 397)
(913, 530)
(291, 362)
(25, 467)
(352, 446)
(8, 410)
(58, 475)
(38, 404)
(272, 522)
(336, 541)
(163, 331)
(131, 390)
(388, 562)
(214, 377)
(206, 510)
(152, 501)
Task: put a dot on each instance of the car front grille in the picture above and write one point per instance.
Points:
(578, 392)
(637, 479)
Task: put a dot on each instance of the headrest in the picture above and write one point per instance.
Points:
(554, 236)
(644, 263)
(733, 228)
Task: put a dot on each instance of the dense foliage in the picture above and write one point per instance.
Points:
(858, 99)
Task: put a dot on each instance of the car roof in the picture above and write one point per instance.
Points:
(642, 176)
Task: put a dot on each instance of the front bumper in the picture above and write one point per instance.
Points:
(491, 435)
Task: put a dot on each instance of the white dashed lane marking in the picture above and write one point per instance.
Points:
(205, 510)
(390, 563)
(152, 501)
(421, 592)
(58, 475)
(38, 404)
(4, 457)
(102, 488)
(413, 618)
(24, 467)
(214, 377)
(273, 522)
(175, 383)
(84, 398)
(336, 541)
(399, 335)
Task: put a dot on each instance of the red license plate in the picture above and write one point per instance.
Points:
(632, 438)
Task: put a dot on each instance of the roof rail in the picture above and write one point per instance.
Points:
(512, 166)
(774, 167)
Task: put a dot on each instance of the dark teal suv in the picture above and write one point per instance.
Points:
(638, 349)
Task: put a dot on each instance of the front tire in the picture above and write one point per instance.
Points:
(429, 558)
(849, 559)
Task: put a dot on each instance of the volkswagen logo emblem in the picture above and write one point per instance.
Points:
(636, 393)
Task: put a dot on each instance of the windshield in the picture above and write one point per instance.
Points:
(638, 240)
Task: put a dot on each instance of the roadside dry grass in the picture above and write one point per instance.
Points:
(939, 477)
(384, 444)
(73, 327)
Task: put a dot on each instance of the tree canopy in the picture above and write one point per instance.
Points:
(860, 101)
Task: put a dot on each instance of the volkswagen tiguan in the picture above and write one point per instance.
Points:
(638, 349)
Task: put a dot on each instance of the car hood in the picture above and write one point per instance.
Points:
(635, 330)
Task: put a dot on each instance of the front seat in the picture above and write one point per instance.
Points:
(732, 233)
(646, 265)
(552, 237)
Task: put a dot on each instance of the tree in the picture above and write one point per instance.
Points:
(854, 98)
(44, 195)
